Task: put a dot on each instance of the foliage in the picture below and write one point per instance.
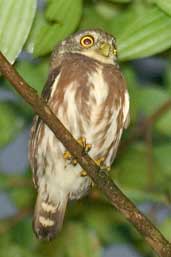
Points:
(12, 25)
(142, 169)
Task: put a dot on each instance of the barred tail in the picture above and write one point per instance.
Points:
(48, 217)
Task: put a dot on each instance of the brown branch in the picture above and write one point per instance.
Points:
(165, 107)
(149, 157)
(151, 234)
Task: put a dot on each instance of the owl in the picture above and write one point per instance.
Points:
(87, 92)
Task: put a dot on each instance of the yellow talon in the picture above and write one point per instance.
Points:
(108, 168)
(88, 148)
(83, 173)
(82, 142)
(74, 162)
(67, 155)
(100, 163)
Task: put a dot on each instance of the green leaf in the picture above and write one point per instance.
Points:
(16, 21)
(131, 172)
(151, 98)
(106, 9)
(63, 17)
(81, 242)
(64, 11)
(162, 157)
(105, 228)
(149, 101)
(165, 227)
(121, 1)
(75, 240)
(163, 124)
(15, 250)
(39, 21)
(141, 196)
(167, 78)
(92, 19)
(11, 123)
(165, 5)
(24, 228)
(148, 37)
(118, 22)
(48, 37)
(34, 73)
(9, 248)
(128, 171)
(22, 197)
(133, 89)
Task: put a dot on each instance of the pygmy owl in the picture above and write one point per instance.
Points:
(86, 91)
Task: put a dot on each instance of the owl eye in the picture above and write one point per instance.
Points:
(87, 41)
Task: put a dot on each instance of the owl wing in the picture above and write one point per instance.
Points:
(37, 126)
(49, 83)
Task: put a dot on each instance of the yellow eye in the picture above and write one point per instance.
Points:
(87, 41)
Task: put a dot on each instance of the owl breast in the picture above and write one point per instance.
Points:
(91, 100)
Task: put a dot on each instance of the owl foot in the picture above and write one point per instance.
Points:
(86, 148)
(100, 163)
(82, 142)
(83, 173)
(68, 157)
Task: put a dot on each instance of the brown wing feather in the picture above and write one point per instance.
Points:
(38, 125)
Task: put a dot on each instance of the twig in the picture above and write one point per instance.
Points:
(151, 234)
(149, 156)
(147, 122)
(166, 106)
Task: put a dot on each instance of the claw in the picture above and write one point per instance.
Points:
(74, 162)
(67, 156)
(83, 173)
(100, 163)
(86, 148)
(82, 142)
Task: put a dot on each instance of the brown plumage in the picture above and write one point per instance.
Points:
(87, 92)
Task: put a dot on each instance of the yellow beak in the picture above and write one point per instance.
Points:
(105, 49)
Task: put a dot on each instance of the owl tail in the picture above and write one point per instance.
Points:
(48, 217)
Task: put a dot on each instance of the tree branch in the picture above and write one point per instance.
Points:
(151, 234)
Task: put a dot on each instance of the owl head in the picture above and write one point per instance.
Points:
(95, 44)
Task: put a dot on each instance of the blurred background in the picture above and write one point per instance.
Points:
(29, 30)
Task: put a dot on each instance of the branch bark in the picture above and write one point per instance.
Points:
(150, 233)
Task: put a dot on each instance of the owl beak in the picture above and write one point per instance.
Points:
(105, 49)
